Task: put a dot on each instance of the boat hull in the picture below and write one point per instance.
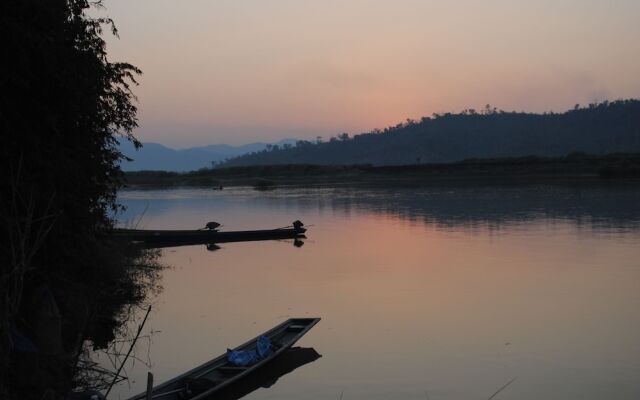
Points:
(222, 373)
(187, 237)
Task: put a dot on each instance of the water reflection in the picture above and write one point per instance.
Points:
(451, 291)
(297, 243)
(600, 207)
(606, 206)
(213, 247)
(266, 377)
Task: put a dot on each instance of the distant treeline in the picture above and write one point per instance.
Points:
(599, 128)
(574, 165)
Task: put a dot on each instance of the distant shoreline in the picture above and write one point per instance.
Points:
(531, 169)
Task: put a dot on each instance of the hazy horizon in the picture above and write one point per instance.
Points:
(197, 146)
(242, 72)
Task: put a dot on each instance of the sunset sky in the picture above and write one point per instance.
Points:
(237, 71)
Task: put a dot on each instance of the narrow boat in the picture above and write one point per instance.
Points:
(204, 236)
(285, 363)
(209, 378)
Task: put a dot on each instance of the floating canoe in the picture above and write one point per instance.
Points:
(210, 378)
(266, 377)
(186, 237)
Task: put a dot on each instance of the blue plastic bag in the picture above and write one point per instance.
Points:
(243, 358)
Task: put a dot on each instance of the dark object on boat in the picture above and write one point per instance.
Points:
(297, 224)
(218, 373)
(212, 226)
(245, 358)
(166, 238)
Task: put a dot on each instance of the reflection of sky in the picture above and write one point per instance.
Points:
(602, 208)
(410, 301)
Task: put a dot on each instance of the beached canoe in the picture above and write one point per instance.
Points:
(186, 237)
(211, 377)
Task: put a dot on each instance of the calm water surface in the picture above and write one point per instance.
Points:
(424, 293)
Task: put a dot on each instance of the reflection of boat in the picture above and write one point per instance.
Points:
(267, 377)
(164, 238)
(210, 378)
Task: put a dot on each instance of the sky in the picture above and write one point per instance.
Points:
(240, 71)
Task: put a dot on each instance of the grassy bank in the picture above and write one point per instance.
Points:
(573, 166)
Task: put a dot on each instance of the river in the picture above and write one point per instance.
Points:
(446, 292)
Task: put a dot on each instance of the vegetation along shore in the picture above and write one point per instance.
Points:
(575, 165)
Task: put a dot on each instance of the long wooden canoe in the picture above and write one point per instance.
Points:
(219, 373)
(266, 377)
(187, 237)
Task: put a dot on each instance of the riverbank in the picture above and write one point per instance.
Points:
(571, 167)
(70, 315)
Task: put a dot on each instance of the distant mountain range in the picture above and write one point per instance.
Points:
(156, 157)
(602, 128)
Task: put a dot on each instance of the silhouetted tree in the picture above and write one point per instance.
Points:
(63, 106)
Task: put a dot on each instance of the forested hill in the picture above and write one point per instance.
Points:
(602, 128)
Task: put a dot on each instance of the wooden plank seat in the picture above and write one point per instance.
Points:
(295, 327)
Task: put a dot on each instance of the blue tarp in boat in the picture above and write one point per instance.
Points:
(243, 358)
